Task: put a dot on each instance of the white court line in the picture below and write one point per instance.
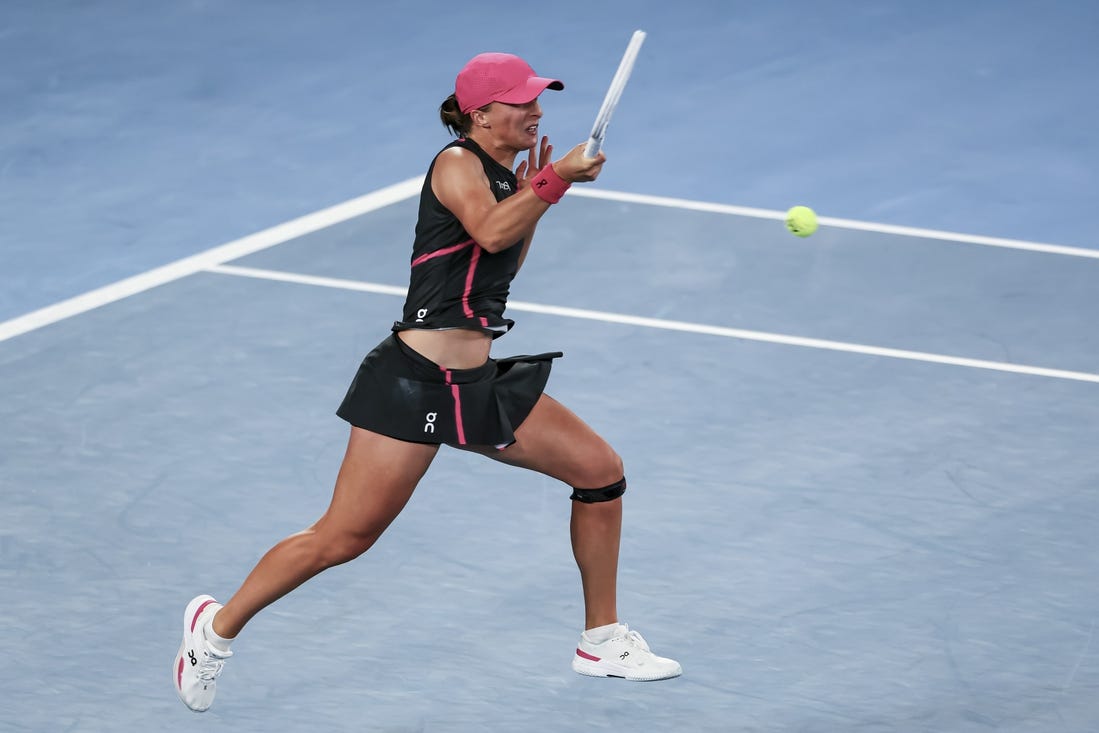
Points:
(195, 263)
(737, 333)
(633, 198)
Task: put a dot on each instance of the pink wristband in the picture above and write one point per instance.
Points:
(549, 186)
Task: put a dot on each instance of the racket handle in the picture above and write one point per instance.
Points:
(592, 148)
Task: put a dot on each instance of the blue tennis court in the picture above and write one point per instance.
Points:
(862, 465)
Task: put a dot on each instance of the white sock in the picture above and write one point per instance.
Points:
(600, 634)
(218, 642)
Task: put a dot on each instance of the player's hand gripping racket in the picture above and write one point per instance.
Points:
(618, 83)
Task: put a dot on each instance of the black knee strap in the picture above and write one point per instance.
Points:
(607, 493)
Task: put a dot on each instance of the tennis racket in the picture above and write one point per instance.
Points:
(618, 83)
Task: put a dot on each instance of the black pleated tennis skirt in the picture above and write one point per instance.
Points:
(400, 393)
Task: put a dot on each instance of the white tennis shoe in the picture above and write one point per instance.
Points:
(626, 655)
(198, 662)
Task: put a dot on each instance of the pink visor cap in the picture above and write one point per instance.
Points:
(499, 77)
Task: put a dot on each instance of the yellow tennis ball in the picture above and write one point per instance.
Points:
(801, 220)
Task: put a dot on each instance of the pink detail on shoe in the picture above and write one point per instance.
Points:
(179, 675)
(581, 653)
(199, 613)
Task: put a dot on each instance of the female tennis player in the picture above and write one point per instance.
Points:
(432, 382)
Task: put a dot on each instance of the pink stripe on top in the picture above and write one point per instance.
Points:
(457, 407)
(469, 283)
(443, 252)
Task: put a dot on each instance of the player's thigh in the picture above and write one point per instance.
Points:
(376, 480)
(555, 441)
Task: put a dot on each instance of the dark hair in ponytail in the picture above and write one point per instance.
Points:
(453, 118)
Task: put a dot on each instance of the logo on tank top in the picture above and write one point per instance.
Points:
(503, 185)
(429, 426)
(420, 314)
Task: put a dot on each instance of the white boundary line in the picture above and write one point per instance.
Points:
(633, 198)
(660, 323)
(315, 280)
(195, 263)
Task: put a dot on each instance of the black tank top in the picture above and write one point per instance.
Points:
(455, 283)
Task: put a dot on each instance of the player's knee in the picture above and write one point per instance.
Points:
(603, 477)
(602, 467)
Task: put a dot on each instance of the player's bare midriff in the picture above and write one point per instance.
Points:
(454, 348)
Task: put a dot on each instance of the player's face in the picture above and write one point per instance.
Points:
(516, 125)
